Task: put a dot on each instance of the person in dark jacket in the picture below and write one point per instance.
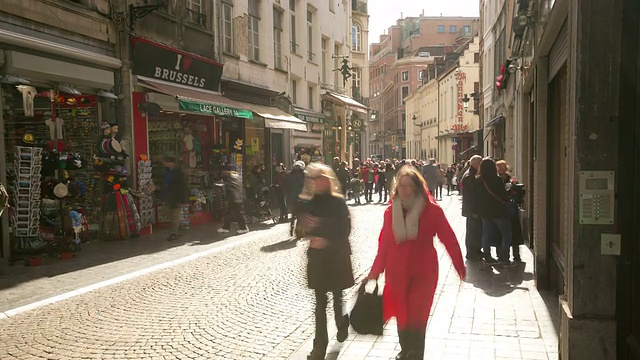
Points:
(234, 196)
(516, 193)
(492, 200)
(175, 193)
(327, 224)
(280, 184)
(340, 169)
(473, 239)
(294, 183)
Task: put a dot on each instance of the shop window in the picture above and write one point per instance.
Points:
(356, 37)
(195, 12)
(277, 39)
(227, 28)
(254, 30)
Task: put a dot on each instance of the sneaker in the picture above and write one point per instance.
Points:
(223, 230)
(243, 231)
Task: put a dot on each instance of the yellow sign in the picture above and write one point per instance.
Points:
(404, 144)
(394, 139)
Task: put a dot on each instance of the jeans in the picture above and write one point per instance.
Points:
(322, 338)
(473, 237)
(176, 214)
(234, 213)
(382, 190)
(368, 192)
(489, 226)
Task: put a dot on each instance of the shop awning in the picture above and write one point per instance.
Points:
(348, 102)
(495, 121)
(199, 101)
(308, 116)
(275, 118)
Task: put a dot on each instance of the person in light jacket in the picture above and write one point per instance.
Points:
(408, 258)
(327, 223)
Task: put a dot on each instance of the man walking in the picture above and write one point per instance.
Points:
(234, 196)
(430, 174)
(175, 193)
(470, 183)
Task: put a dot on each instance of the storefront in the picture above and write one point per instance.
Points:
(339, 130)
(179, 113)
(56, 105)
(307, 146)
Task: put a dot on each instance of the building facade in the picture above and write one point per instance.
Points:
(399, 58)
(572, 115)
(360, 74)
(442, 112)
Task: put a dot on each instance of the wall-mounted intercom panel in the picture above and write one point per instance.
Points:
(597, 197)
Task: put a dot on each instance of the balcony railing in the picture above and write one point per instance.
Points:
(359, 6)
(197, 18)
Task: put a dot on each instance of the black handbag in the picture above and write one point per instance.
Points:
(366, 316)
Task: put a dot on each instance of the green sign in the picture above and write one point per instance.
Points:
(212, 109)
(310, 119)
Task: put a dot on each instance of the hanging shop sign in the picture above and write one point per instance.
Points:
(212, 109)
(310, 118)
(162, 62)
(460, 78)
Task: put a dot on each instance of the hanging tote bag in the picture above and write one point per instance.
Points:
(366, 316)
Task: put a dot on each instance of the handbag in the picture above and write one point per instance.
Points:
(366, 316)
(510, 206)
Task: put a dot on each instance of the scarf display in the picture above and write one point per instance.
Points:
(406, 227)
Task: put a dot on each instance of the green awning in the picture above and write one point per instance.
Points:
(213, 109)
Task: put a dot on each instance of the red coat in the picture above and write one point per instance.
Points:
(411, 267)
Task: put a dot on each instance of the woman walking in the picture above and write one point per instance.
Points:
(327, 224)
(407, 256)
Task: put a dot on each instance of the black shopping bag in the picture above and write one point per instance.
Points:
(366, 316)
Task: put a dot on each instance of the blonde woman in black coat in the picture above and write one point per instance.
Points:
(327, 224)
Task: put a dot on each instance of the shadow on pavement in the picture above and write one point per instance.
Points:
(497, 281)
(279, 246)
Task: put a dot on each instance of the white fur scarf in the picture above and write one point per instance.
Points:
(406, 227)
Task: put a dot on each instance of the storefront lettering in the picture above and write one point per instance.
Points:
(176, 66)
(460, 78)
(212, 109)
(178, 77)
(310, 119)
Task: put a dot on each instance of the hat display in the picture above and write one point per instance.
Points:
(61, 190)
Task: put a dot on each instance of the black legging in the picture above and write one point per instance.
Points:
(322, 338)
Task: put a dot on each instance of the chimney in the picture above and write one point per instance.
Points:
(422, 13)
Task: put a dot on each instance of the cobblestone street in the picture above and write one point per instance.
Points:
(249, 301)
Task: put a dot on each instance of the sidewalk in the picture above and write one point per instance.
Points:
(496, 314)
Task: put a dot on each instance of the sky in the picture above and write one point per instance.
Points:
(385, 13)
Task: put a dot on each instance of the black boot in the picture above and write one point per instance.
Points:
(405, 344)
(418, 345)
(319, 352)
(343, 329)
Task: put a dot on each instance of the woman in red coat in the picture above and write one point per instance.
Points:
(407, 256)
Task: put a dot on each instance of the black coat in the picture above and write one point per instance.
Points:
(470, 193)
(234, 192)
(294, 183)
(329, 269)
(177, 192)
(492, 205)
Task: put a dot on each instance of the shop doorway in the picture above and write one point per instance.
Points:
(558, 178)
(628, 303)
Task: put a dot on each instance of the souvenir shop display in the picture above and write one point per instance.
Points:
(145, 191)
(25, 191)
(119, 214)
